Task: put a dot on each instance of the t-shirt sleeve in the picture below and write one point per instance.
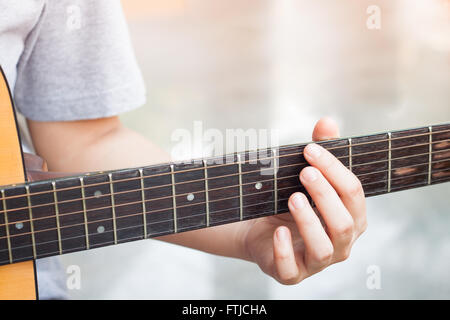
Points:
(78, 63)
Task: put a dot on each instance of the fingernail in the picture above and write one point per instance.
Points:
(298, 201)
(282, 235)
(313, 150)
(309, 174)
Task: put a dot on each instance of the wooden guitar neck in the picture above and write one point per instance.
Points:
(64, 215)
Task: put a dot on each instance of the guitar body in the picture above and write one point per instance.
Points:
(18, 280)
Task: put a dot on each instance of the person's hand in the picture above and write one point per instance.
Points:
(293, 246)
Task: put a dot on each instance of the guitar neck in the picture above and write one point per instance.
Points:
(71, 214)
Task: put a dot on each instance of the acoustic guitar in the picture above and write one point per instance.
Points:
(60, 215)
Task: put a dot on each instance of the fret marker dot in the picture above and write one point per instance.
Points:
(101, 229)
(190, 197)
(19, 225)
(97, 194)
(258, 186)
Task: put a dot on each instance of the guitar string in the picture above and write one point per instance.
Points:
(245, 162)
(228, 175)
(265, 213)
(51, 192)
(188, 193)
(108, 195)
(121, 241)
(234, 163)
(193, 181)
(190, 205)
(140, 225)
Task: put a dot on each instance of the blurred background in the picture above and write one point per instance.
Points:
(283, 64)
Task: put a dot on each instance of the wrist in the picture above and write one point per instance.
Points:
(241, 239)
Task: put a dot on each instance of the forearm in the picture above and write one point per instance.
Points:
(113, 146)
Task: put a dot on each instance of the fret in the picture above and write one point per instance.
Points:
(144, 217)
(389, 162)
(275, 180)
(71, 215)
(290, 163)
(370, 158)
(42, 214)
(5, 218)
(441, 172)
(58, 226)
(30, 214)
(441, 153)
(191, 201)
(350, 163)
(223, 190)
(86, 230)
(442, 133)
(174, 200)
(241, 207)
(111, 190)
(430, 153)
(409, 158)
(370, 153)
(19, 226)
(99, 210)
(338, 148)
(128, 212)
(257, 183)
(206, 191)
(410, 142)
(158, 200)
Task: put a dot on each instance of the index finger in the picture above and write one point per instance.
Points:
(346, 184)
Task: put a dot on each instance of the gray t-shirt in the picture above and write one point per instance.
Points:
(67, 60)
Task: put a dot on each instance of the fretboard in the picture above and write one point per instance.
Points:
(47, 218)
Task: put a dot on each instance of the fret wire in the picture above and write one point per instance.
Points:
(58, 227)
(275, 180)
(389, 162)
(241, 209)
(113, 209)
(287, 155)
(206, 192)
(144, 210)
(187, 217)
(5, 211)
(350, 157)
(174, 200)
(84, 213)
(244, 184)
(30, 214)
(430, 151)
